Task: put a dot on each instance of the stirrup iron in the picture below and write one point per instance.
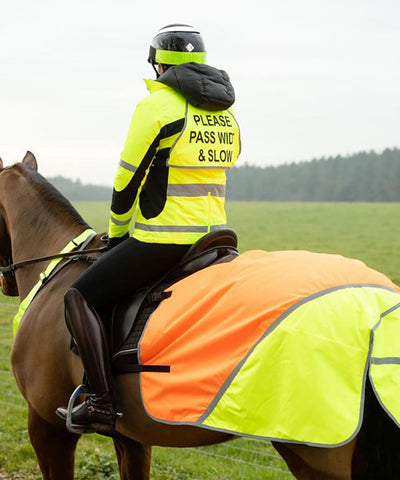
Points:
(73, 428)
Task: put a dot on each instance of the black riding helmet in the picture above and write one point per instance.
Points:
(176, 44)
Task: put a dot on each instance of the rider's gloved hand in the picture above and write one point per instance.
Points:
(114, 241)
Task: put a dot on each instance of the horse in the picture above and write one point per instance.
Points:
(36, 221)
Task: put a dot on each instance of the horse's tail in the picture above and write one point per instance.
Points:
(377, 451)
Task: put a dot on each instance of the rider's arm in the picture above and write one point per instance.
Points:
(136, 157)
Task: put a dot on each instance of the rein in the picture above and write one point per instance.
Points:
(78, 253)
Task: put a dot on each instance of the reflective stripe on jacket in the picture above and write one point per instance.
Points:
(172, 169)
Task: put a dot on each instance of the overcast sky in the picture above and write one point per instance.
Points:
(312, 78)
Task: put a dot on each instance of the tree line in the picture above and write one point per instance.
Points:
(362, 177)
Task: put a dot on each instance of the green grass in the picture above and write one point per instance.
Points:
(366, 231)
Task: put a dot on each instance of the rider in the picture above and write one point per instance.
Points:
(182, 138)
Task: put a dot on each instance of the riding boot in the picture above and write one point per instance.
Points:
(97, 413)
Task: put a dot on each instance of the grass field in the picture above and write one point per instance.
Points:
(369, 232)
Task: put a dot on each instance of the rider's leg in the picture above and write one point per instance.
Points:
(98, 412)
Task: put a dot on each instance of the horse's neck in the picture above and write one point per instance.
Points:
(36, 232)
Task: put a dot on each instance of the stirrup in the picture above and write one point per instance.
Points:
(74, 428)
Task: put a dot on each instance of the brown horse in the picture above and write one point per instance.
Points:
(35, 220)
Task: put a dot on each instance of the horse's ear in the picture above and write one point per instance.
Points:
(30, 160)
(1, 164)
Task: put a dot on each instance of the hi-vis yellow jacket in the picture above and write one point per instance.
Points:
(172, 168)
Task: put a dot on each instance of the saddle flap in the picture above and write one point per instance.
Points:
(123, 316)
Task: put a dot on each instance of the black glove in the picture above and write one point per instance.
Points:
(114, 241)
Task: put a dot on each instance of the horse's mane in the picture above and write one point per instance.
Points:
(50, 194)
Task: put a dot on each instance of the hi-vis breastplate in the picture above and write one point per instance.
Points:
(208, 140)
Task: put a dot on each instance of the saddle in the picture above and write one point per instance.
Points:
(130, 314)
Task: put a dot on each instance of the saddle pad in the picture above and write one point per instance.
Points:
(275, 345)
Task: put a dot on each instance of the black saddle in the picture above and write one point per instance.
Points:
(130, 314)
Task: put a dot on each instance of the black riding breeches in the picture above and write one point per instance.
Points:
(127, 267)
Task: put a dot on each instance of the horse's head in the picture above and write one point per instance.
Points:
(7, 279)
